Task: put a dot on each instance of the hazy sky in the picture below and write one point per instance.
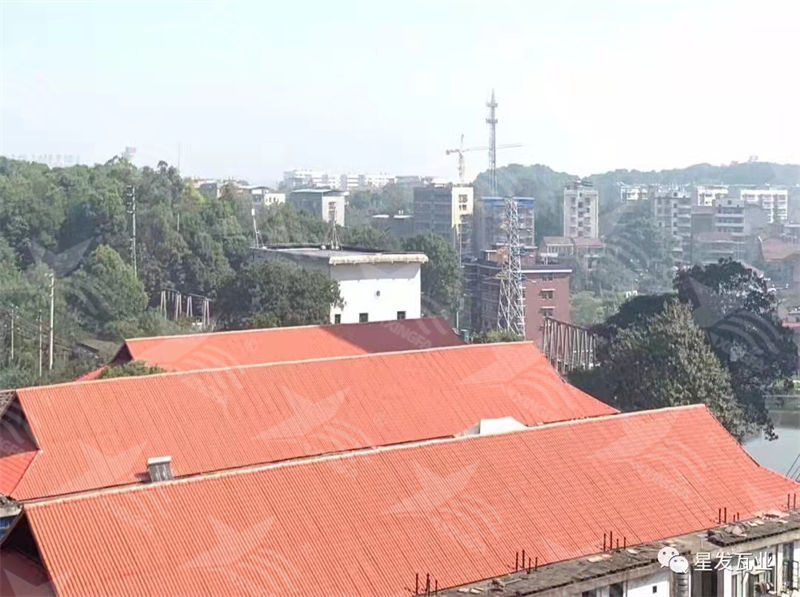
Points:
(249, 89)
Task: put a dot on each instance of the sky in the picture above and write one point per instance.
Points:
(250, 89)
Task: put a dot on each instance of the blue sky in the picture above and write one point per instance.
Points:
(249, 89)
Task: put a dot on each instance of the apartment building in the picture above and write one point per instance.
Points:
(709, 195)
(581, 210)
(302, 179)
(264, 196)
(632, 193)
(671, 208)
(774, 201)
(447, 211)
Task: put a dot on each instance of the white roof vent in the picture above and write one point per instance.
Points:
(160, 468)
(494, 426)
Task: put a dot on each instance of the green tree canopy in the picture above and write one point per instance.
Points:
(666, 361)
(441, 275)
(105, 290)
(131, 369)
(276, 294)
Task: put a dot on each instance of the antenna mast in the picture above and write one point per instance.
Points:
(492, 122)
(511, 312)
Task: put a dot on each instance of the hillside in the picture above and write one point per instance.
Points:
(547, 185)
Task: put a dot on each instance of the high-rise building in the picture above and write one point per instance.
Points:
(490, 229)
(581, 210)
(671, 208)
(445, 210)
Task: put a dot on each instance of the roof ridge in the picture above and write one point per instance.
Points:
(289, 327)
(329, 456)
(126, 379)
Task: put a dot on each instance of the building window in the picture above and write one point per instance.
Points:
(547, 293)
(337, 318)
(548, 277)
(547, 311)
(401, 315)
(615, 590)
(363, 317)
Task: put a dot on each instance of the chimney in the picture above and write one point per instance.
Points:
(160, 468)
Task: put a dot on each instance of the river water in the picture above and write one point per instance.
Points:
(779, 454)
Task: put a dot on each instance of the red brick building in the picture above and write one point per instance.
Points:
(546, 293)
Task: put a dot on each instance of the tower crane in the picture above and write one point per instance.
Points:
(461, 150)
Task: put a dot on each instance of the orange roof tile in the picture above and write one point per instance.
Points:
(250, 347)
(365, 524)
(101, 433)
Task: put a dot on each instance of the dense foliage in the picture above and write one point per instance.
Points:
(666, 361)
(273, 295)
(75, 223)
(441, 275)
(131, 369)
(733, 310)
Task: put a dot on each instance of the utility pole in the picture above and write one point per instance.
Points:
(41, 343)
(492, 122)
(13, 309)
(132, 211)
(52, 316)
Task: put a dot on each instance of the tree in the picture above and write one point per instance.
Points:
(130, 369)
(637, 257)
(493, 336)
(666, 361)
(369, 237)
(441, 275)
(734, 307)
(283, 224)
(105, 290)
(276, 294)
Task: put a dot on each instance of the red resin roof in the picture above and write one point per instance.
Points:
(250, 347)
(365, 524)
(101, 433)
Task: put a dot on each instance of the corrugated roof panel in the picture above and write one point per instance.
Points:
(250, 347)
(98, 434)
(365, 524)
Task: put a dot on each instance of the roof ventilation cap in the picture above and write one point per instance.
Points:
(494, 426)
(160, 468)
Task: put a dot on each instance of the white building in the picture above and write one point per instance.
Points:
(374, 286)
(301, 179)
(348, 181)
(581, 210)
(637, 192)
(709, 195)
(264, 196)
(775, 202)
(326, 203)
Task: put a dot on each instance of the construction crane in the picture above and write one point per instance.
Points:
(461, 150)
